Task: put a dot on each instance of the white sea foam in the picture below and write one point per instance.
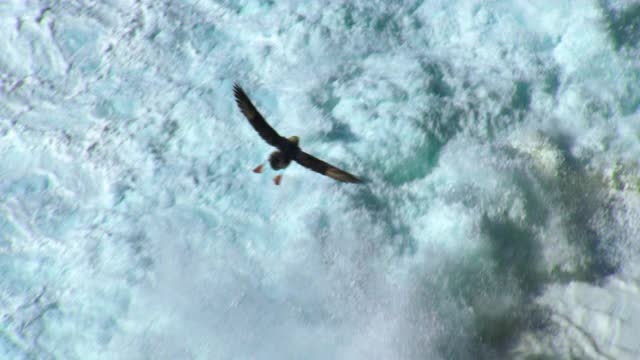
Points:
(499, 140)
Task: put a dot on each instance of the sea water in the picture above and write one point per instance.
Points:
(499, 139)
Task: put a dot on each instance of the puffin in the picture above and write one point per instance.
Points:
(288, 149)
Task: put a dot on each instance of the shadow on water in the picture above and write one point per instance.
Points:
(495, 289)
(502, 284)
(582, 195)
(489, 296)
(515, 252)
(516, 255)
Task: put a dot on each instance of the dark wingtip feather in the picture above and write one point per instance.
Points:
(238, 92)
(350, 178)
(242, 100)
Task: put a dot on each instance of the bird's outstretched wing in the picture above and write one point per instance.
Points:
(256, 120)
(323, 168)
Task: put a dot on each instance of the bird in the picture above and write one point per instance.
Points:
(288, 148)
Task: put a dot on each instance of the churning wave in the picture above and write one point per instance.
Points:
(500, 139)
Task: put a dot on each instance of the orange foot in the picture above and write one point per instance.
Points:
(258, 169)
(277, 179)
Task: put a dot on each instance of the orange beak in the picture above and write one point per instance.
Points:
(258, 169)
(277, 179)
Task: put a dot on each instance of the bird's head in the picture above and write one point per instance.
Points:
(294, 139)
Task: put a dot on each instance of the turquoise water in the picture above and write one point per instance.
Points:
(500, 141)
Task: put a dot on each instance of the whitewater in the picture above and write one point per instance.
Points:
(500, 141)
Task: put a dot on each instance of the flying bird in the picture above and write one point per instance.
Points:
(288, 148)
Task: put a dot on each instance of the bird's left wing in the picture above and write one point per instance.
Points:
(256, 120)
(323, 168)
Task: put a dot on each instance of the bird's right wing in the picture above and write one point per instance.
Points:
(317, 165)
(256, 120)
